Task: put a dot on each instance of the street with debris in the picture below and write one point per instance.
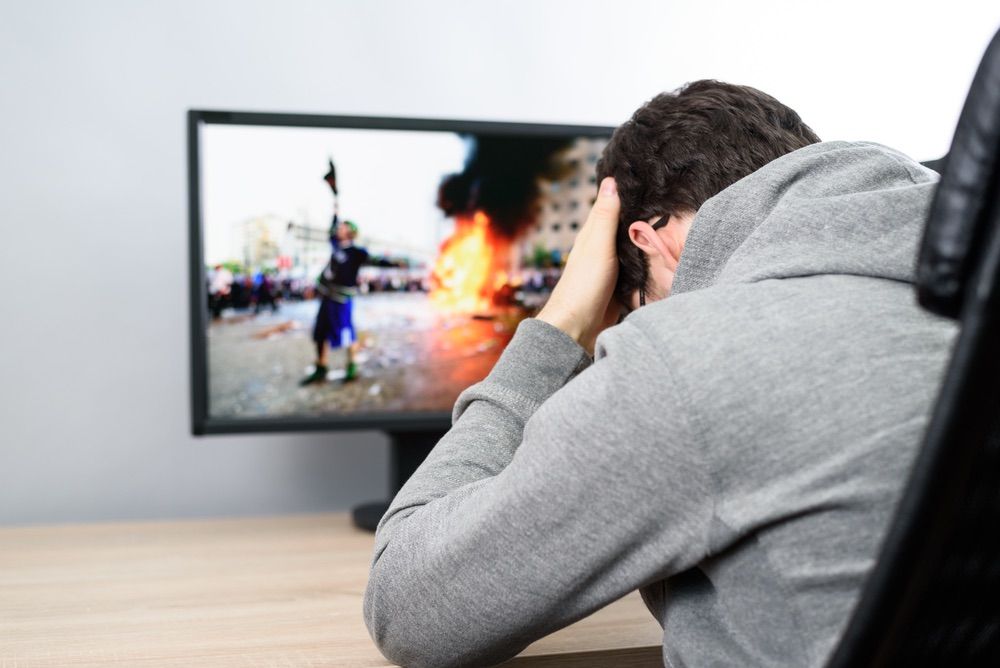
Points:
(411, 358)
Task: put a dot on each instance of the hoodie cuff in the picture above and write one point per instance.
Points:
(538, 361)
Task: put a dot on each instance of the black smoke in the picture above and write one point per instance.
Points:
(501, 179)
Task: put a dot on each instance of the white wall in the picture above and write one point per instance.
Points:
(93, 341)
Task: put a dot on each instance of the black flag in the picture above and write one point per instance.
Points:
(331, 177)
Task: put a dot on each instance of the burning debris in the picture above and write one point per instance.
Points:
(492, 201)
(472, 266)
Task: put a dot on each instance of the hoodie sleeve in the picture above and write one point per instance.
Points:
(560, 488)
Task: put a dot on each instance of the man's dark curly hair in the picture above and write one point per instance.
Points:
(681, 148)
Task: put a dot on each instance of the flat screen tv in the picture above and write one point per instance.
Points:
(359, 273)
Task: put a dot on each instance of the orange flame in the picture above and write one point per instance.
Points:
(471, 266)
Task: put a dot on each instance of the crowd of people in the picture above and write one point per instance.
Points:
(256, 290)
(267, 289)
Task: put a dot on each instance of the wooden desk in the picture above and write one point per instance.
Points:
(246, 592)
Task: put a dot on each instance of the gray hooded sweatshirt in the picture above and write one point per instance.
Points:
(734, 451)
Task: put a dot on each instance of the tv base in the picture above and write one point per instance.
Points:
(408, 449)
(367, 515)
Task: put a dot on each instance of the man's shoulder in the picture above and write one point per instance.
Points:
(831, 341)
(721, 312)
(791, 319)
(791, 368)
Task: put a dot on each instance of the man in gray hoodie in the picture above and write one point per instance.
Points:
(734, 451)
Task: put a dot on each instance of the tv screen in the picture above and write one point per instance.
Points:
(361, 272)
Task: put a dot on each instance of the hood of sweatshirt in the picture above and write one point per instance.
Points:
(830, 208)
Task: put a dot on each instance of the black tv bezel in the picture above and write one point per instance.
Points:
(202, 422)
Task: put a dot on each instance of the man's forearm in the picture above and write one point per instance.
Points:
(488, 418)
(491, 544)
(488, 425)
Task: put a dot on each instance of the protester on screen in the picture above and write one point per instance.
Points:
(337, 286)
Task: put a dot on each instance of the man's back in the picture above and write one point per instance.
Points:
(809, 427)
(735, 450)
(810, 371)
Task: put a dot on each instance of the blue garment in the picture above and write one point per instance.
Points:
(334, 323)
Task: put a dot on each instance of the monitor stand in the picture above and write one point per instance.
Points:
(407, 450)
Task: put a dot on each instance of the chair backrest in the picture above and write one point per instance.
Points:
(933, 598)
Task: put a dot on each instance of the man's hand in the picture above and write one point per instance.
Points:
(582, 303)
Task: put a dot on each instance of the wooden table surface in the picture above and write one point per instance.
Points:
(284, 591)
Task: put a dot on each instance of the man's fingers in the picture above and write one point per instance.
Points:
(603, 219)
(579, 304)
(607, 203)
(606, 206)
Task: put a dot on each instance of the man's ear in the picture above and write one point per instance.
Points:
(645, 237)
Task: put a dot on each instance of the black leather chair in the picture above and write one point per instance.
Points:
(933, 598)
